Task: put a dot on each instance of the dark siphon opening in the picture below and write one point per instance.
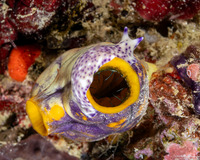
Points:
(109, 88)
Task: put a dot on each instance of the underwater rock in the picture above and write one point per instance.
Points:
(4, 50)
(89, 93)
(7, 31)
(188, 68)
(169, 97)
(32, 148)
(156, 10)
(30, 16)
(13, 97)
(153, 10)
(186, 9)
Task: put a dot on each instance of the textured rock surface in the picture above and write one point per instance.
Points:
(34, 147)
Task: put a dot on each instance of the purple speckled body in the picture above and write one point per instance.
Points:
(66, 81)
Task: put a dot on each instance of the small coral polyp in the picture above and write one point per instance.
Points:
(89, 93)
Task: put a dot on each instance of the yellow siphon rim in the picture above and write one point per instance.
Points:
(132, 80)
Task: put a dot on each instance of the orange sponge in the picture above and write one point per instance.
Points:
(21, 58)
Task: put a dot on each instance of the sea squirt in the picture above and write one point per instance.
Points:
(89, 93)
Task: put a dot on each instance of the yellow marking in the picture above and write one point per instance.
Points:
(56, 112)
(140, 110)
(132, 79)
(40, 119)
(84, 118)
(116, 124)
(87, 134)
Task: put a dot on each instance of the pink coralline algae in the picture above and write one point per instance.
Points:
(187, 151)
(156, 10)
(193, 71)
